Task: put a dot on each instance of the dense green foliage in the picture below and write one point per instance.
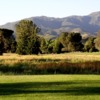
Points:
(7, 41)
(28, 42)
(71, 42)
(97, 41)
(1, 44)
(57, 46)
(44, 46)
(90, 45)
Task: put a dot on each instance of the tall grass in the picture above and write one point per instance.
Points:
(68, 63)
(72, 57)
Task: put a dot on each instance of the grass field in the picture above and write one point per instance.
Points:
(66, 63)
(71, 57)
(50, 87)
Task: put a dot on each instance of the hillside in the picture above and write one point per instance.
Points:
(51, 26)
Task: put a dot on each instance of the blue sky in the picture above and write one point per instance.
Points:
(12, 10)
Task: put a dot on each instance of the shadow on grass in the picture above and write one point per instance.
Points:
(68, 88)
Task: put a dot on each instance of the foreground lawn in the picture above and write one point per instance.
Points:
(50, 87)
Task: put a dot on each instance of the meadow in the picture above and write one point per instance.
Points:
(67, 79)
(50, 87)
(66, 63)
(71, 57)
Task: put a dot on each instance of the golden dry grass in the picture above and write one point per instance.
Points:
(70, 57)
(75, 62)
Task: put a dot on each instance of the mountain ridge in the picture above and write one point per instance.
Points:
(89, 24)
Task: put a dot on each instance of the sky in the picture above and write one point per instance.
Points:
(14, 10)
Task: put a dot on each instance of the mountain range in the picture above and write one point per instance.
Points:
(52, 27)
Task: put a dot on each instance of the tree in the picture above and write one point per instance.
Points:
(71, 41)
(8, 40)
(1, 44)
(63, 38)
(50, 45)
(43, 46)
(97, 41)
(75, 43)
(27, 39)
(57, 46)
(89, 46)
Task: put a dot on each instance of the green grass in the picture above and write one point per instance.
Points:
(50, 87)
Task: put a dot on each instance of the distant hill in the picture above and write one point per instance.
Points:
(51, 26)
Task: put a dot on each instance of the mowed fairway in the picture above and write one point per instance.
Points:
(50, 87)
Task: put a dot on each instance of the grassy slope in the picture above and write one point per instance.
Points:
(50, 87)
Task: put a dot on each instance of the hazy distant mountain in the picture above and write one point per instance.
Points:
(54, 26)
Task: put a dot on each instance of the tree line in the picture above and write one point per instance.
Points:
(26, 41)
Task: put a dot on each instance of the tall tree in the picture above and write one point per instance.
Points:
(57, 46)
(71, 41)
(26, 36)
(1, 44)
(97, 41)
(44, 46)
(89, 45)
(8, 40)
